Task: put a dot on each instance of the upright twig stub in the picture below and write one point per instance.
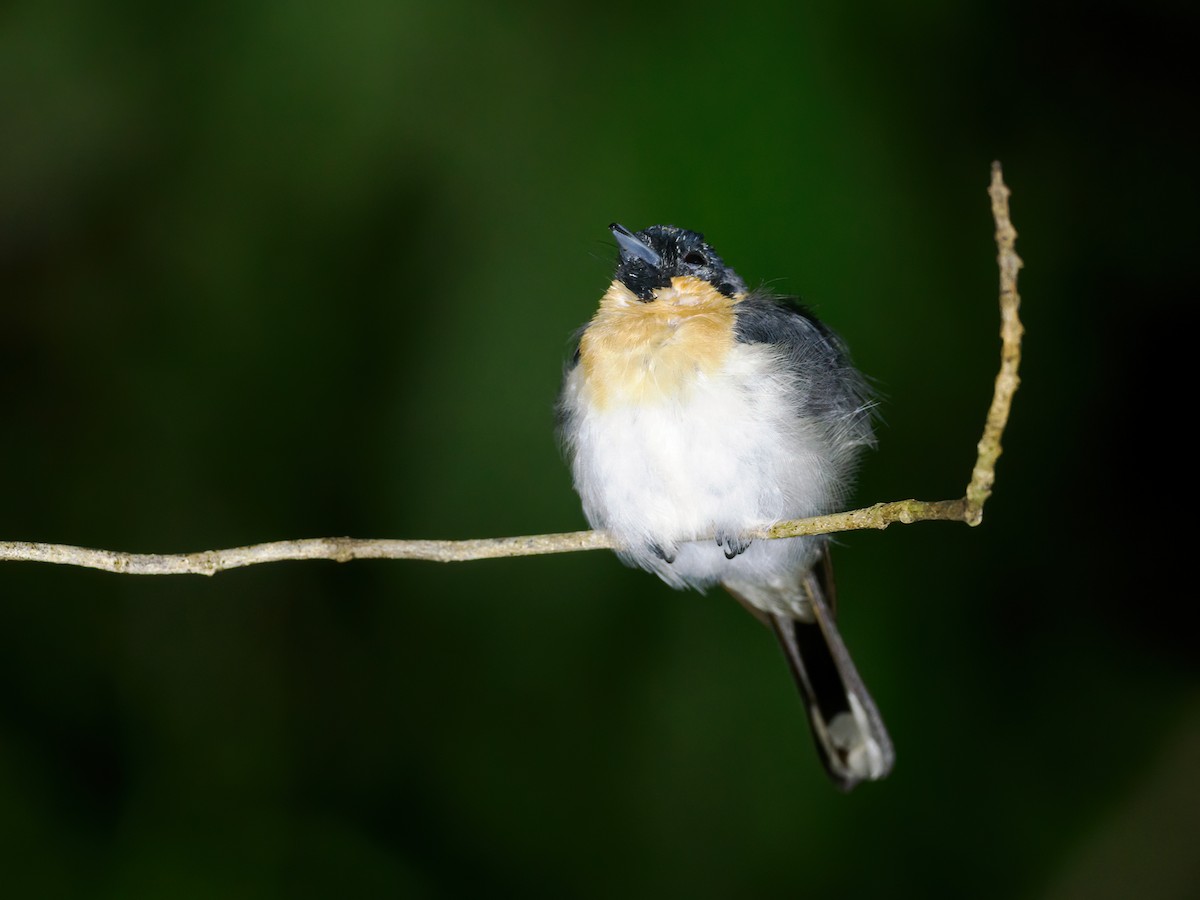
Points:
(983, 476)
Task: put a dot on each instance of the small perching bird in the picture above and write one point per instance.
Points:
(695, 411)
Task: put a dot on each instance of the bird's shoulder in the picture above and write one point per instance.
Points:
(771, 319)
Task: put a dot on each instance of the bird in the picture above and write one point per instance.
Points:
(694, 411)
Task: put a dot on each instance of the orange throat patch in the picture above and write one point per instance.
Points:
(636, 352)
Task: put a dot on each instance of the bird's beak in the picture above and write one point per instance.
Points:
(632, 248)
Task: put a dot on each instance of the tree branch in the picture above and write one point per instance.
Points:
(968, 509)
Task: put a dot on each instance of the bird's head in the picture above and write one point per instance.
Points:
(653, 258)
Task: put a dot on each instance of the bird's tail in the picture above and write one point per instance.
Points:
(851, 739)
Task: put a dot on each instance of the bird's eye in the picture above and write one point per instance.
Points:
(696, 259)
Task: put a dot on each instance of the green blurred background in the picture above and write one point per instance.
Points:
(274, 270)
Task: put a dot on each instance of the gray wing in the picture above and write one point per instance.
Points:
(834, 390)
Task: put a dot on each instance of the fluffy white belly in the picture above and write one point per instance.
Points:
(727, 453)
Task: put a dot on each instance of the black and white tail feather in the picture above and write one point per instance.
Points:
(851, 739)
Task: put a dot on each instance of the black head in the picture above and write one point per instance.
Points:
(652, 257)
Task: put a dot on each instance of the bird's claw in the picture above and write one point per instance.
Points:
(732, 544)
(666, 554)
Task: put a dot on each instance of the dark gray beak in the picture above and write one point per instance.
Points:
(632, 248)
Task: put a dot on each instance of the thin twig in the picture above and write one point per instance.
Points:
(968, 509)
(983, 476)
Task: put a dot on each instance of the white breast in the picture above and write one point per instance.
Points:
(728, 453)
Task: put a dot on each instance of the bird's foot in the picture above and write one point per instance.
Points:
(732, 544)
(665, 553)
